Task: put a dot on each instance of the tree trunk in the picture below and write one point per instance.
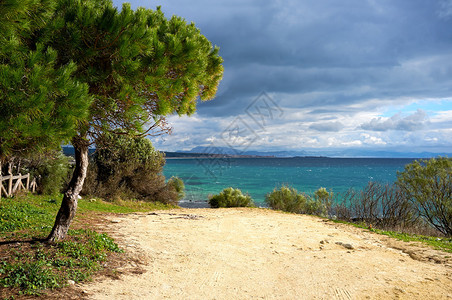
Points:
(69, 205)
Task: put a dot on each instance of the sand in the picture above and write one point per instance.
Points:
(263, 254)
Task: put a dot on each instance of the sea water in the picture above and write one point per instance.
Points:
(258, 176)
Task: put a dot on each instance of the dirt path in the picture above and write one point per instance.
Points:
(261, 254)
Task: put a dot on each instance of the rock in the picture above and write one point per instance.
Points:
(71, 282)
(346, 246)
(116, 221)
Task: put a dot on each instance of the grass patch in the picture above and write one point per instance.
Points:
(443, 244)
(29, 267)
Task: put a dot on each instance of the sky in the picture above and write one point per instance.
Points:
(322, 74)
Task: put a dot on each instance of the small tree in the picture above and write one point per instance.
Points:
(428, 183)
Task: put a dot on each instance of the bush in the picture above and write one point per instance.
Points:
(321, 204)
(428, 184)
(231, 197)
(130, 168)
(382, 205)
(286, 199)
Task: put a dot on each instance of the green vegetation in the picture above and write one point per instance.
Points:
(231, 197)
(126, 167)
(288, 199)
(51, 266)
(51, 172)
(428, 185)
(41, 102)
(76, 70)
(33, 267)
(443, 244)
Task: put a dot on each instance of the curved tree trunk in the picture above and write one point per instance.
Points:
(69, 205)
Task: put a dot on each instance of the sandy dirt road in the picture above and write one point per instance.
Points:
(262, 254)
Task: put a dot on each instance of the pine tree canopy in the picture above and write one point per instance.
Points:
(83, 68)
(41, 103)
(86, 67)
(139, 66)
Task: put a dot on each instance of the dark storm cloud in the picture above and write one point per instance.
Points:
(298, 47)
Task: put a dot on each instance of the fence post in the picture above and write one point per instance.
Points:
(28, 182)
(10, 185)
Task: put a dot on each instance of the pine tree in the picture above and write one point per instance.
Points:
(139, 67)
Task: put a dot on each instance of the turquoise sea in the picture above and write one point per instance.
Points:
(259, 176)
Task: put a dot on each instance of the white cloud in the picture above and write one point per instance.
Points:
(372, 140)
(414, 122)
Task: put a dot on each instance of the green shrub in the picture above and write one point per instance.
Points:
(231, 197)
(286, 199)
(177, 185)
(130, 168)
(321, 204)
(428, 184)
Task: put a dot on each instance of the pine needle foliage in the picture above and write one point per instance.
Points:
(40, 101)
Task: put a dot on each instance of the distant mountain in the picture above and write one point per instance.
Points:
(318, 152)
(201, 151)
(230, 151)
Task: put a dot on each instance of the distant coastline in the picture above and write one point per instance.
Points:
(224, 152)
(178, 155)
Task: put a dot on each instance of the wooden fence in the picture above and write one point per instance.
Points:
(15, 184)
